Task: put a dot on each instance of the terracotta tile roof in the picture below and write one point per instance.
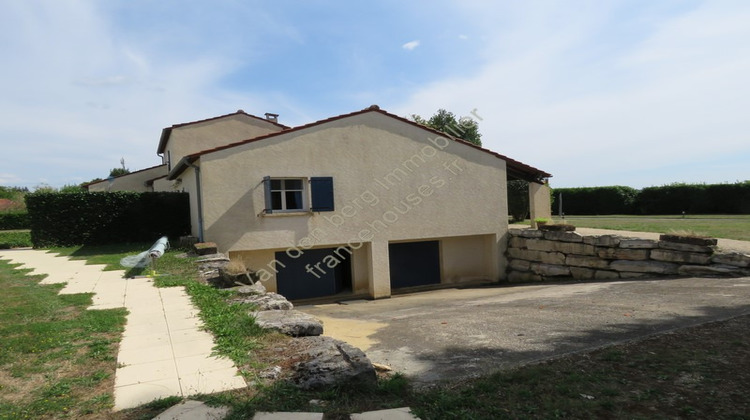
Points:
(165, 133)
(5, 204)
(127, 174)
(515, 168)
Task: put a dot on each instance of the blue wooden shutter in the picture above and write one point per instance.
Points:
(321, 189)
(267, 194)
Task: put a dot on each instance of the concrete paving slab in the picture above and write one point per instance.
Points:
(403, 413)
(164, 350)
(287, 416)
(193, 410)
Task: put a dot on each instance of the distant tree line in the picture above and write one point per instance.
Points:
(668, 199)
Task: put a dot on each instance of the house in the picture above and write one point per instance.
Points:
(363, 203)
(149, 179)
(187, 138)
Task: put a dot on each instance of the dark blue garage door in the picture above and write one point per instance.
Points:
(315, 273)
(414, 263)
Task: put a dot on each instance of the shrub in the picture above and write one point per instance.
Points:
(696, 199)
(518, 200)
(14, 239)
(595, 200)
(14, 220)
(68, 219)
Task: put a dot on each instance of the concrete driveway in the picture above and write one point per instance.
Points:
(454, 333)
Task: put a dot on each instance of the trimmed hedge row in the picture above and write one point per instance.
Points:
(696, 199)
(17, 239)
(68, 219)
(668, 199)
(14, 220)
(595, 200)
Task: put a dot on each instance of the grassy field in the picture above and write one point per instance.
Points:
(57, 360)
(716, 226)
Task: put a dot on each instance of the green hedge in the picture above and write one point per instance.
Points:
(595, 200)
(668, 199)
(14, 220)
(15, 239)
(68, 219)
(696, 199)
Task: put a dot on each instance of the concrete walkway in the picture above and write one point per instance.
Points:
(164, 350)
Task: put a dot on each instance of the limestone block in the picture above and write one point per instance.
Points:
(603, 240)
(606, 275)
(733, 258)
(541, 245)
(587, 262)
(688, 239)
(638, 244)
(710, 270)
(676, 246)
(531, 255)
(521, 254)
(679, 256)
(266, 302)
(623, 254)
(333, 363)
(519, 265)
(289, 322)
(655, 267)
(523, 277)
(574, 248)
(550, 270)
(563, 236)
(517, 242)
(582, 273)
(630, 275)
(526, 233)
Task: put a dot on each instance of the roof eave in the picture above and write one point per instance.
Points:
(182, 166)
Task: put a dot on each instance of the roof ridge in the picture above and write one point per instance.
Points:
(372, 108)
(238, 112)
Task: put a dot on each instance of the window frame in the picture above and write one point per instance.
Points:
(303, 193)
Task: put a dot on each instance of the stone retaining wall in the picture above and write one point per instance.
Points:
(534, 255)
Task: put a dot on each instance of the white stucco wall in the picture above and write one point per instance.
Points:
(199, 136)
(392, 182)
(135, 181)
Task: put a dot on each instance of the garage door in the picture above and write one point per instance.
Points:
(315, 273)
(414, 263)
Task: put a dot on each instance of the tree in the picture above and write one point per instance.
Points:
(119, 171)
(464, 128)
(518, 200)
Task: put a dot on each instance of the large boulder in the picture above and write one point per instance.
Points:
(266, 302)
(289, 322)
(331, 362)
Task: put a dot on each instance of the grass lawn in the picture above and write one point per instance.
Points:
(716, 226)
(57, 360)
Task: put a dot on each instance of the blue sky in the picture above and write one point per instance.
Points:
(631, 92)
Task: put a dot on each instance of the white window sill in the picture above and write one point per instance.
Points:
(287, 213)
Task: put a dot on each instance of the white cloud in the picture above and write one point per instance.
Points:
(411, 45)
(80, 94)
(592, 108)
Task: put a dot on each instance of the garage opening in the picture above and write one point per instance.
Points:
(414, 263)
(314, 273)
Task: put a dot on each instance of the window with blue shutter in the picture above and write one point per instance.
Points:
(321, 189)
(267, 194)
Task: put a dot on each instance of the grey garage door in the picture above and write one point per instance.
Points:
(315, 273)
(414, 263)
